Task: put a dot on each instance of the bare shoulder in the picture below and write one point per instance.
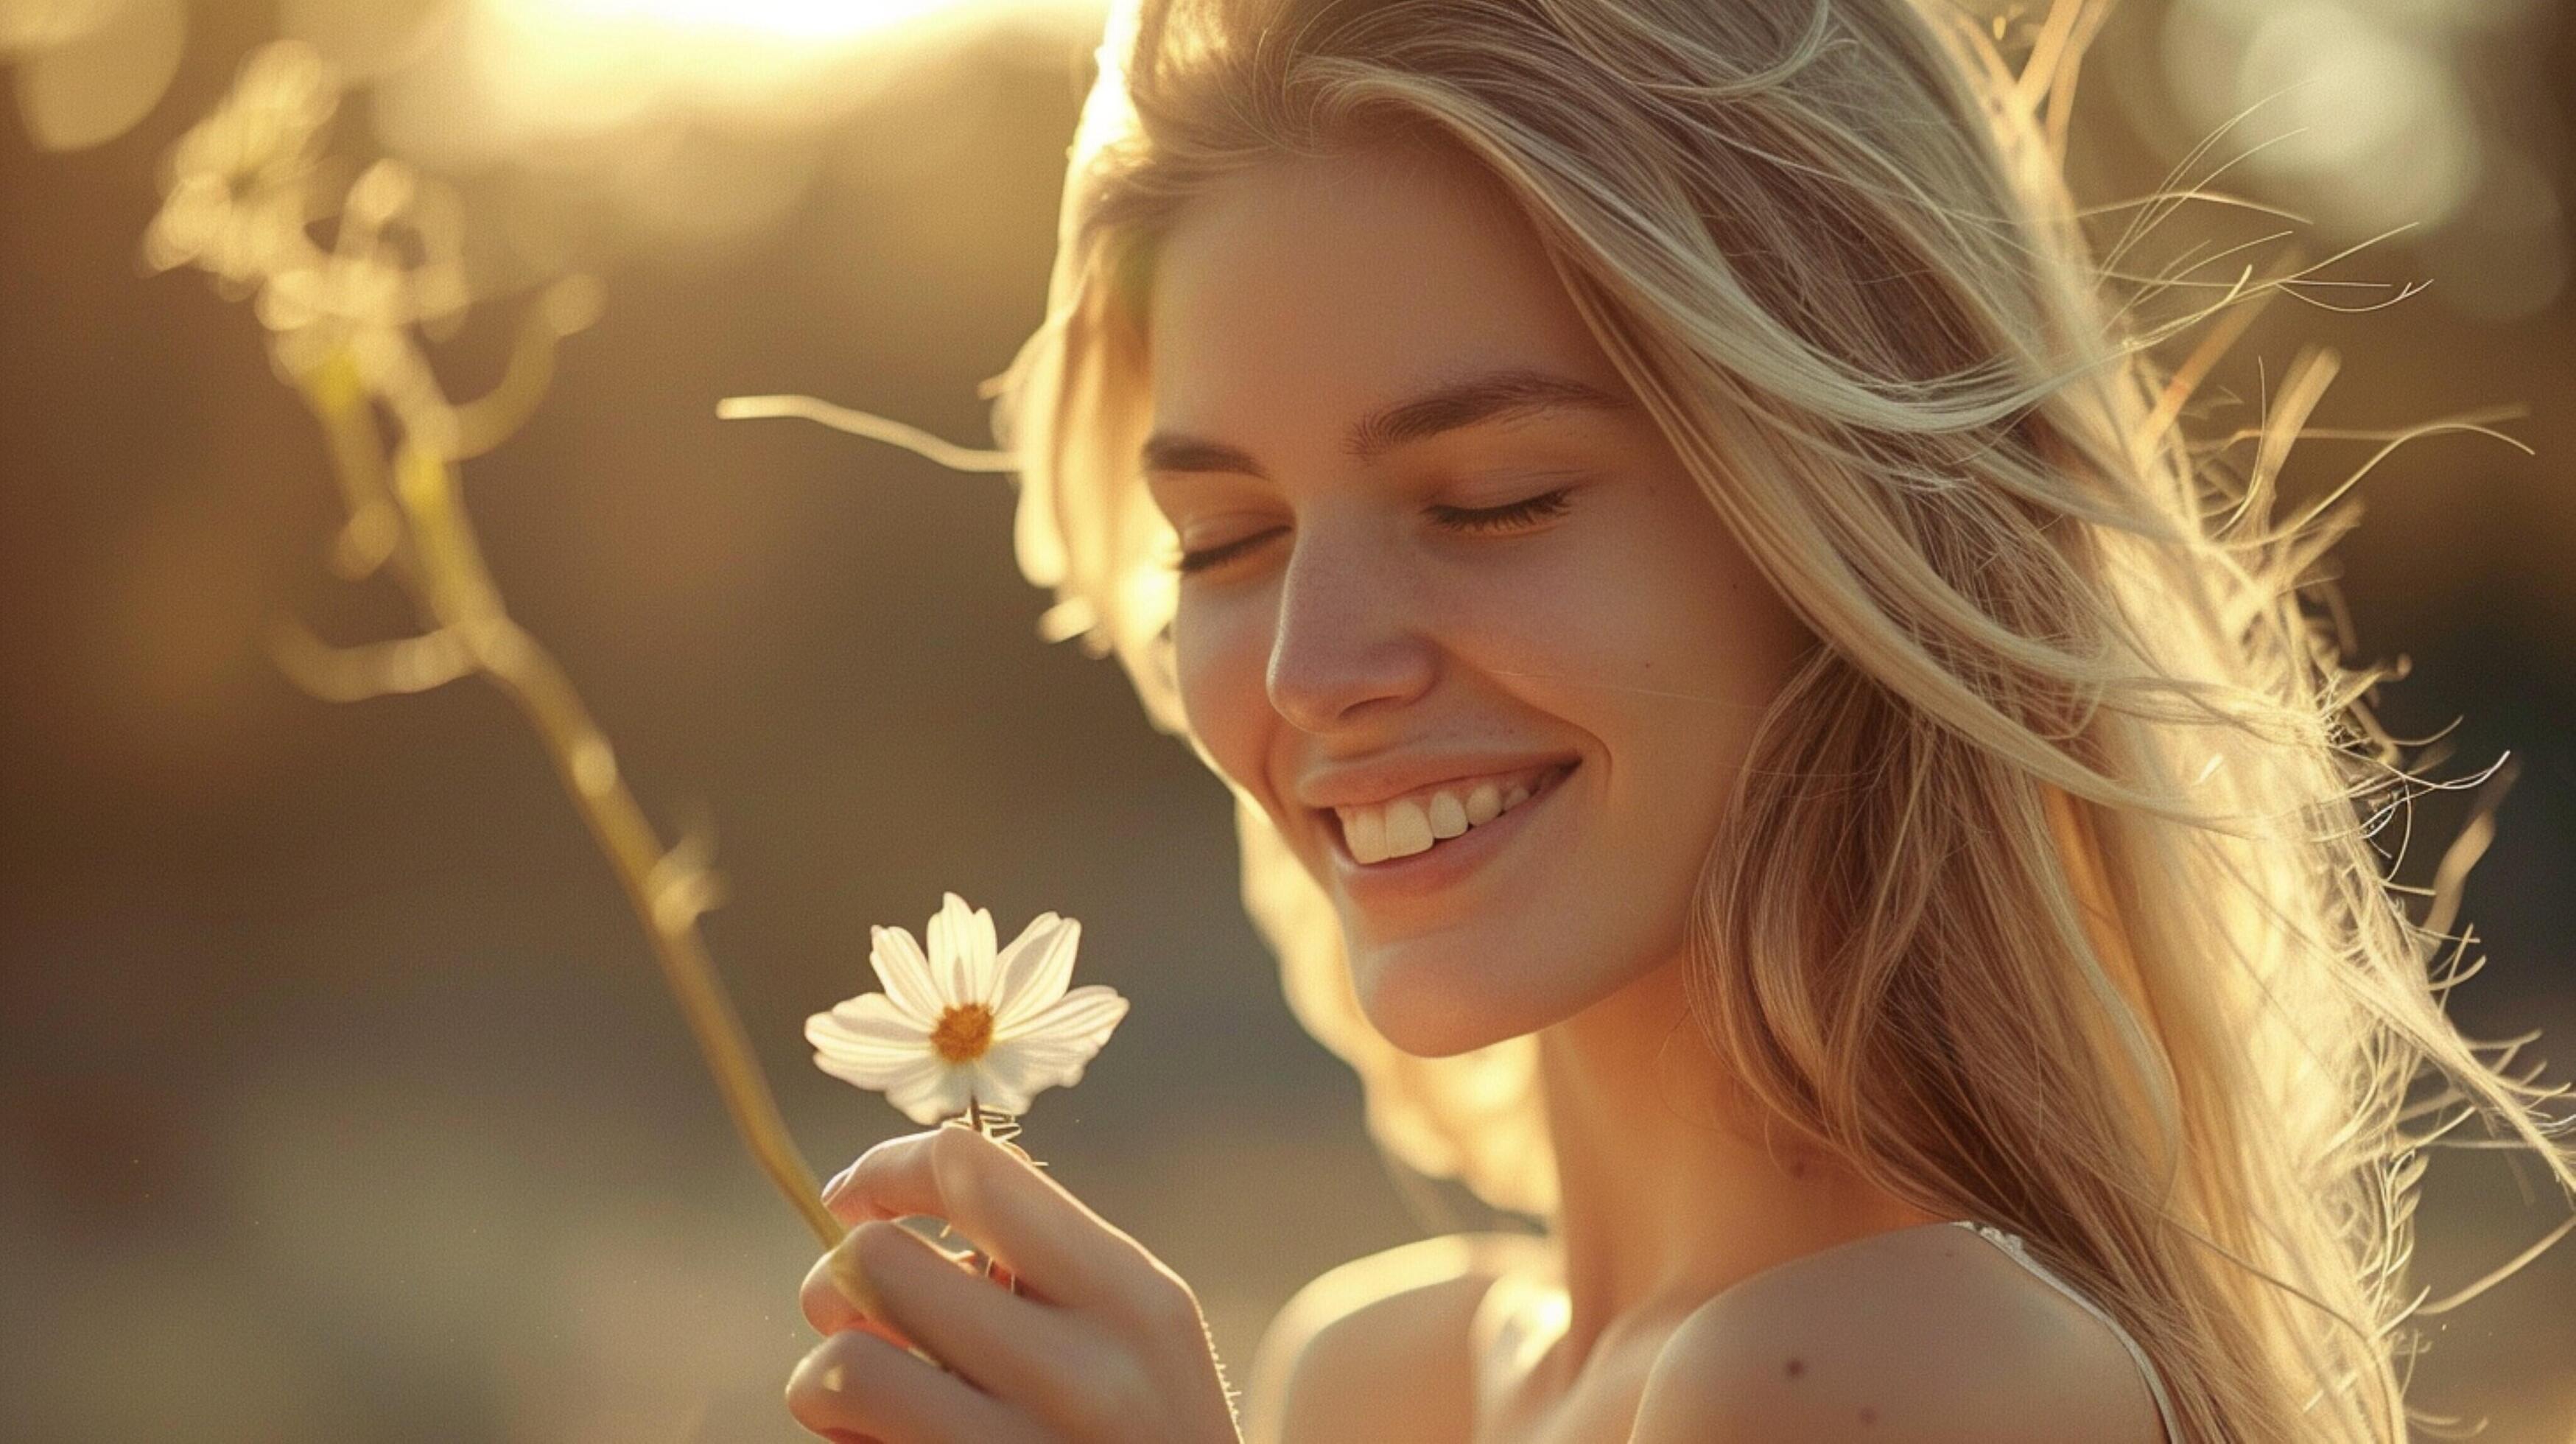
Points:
(1378, 1348)
(1925, 1335)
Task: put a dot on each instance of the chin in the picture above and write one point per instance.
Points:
(1439, 1001)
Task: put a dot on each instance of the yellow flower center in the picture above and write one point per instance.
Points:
(964, 1032)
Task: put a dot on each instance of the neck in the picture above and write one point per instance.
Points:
(1664, 1203)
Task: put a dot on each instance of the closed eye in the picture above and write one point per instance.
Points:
(1469, 520)
(1206, 557)
(1502, 518)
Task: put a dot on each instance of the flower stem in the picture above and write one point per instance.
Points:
(344, 327)
(439, 562)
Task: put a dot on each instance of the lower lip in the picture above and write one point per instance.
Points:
(1444, 863)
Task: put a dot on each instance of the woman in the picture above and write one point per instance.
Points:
(1751, 731)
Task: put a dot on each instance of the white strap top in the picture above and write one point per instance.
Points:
(2013, 1249)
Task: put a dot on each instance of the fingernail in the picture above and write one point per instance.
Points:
(839, 1181)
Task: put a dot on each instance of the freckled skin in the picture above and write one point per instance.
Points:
(1631, 633)
(1967, 1346)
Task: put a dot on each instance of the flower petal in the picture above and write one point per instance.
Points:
(1051, 1054)
(867, 1037)
(880, 1016)
(1054, 1047)
(1021, 1070)
(1083, 1017)
(961, 951)
(935, 1091)
(875, 1078)
(998, 1087)
(904, 973)
(1035, 967)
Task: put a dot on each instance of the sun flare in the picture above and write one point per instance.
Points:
(783, 19)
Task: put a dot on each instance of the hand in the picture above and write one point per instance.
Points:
(1101, 1343)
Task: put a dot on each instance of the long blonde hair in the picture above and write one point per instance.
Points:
(2046, 896)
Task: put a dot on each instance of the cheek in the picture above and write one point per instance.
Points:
(1695, 627)
(1659, 645)
(1656, 636)
(1220, 661)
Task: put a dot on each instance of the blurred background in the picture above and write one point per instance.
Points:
(339, 1096)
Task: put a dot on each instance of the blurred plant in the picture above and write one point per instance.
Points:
(345, 323)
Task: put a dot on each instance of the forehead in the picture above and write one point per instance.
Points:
(1302, 293)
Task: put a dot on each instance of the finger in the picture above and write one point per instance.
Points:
(829, 1308)
(1005, 1205)
(895, 1178)
(856, 1383)
(1011, 1347)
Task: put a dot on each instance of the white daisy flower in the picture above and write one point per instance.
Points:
(964, 1025)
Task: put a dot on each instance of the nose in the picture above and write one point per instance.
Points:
(1347, 640)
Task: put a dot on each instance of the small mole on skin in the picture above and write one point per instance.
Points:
(1868, 1415)
(1797, 1367)
(1797, 1168)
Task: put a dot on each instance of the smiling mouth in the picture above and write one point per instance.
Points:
(1420, 821)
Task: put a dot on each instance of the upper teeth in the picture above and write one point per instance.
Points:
(1411, 823)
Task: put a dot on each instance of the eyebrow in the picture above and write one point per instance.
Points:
(1487, 396)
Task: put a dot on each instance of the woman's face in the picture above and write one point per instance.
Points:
(1451, 609)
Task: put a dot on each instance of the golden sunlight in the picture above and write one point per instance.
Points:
(786, 19)
(609, 86)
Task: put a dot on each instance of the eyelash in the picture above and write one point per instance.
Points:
(1473, 521)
